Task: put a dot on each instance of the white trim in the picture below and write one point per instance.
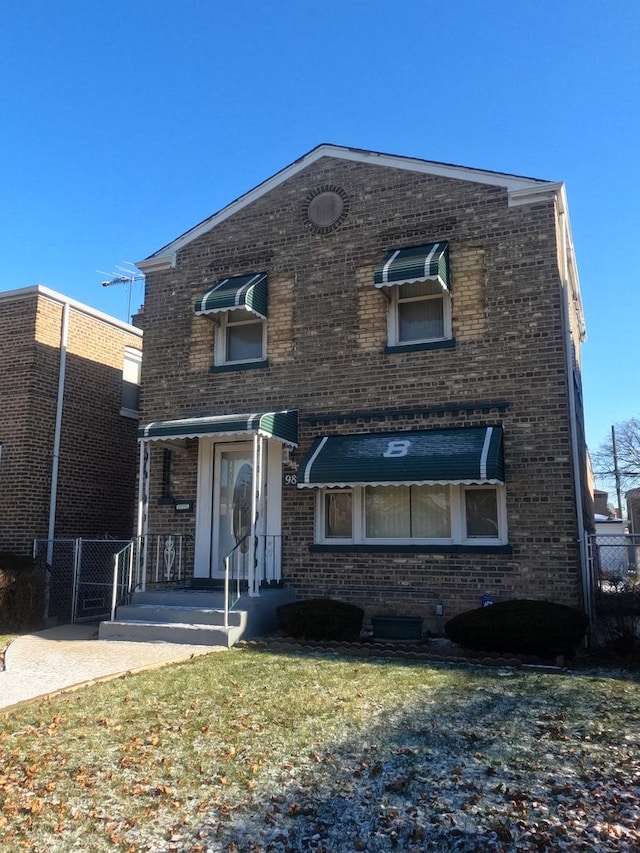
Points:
(204, 508)
(356, 483)
(222, 333)
(153, 264)
(307, 470)
(457, 519)
(393, 317)
(501, 501)
(385, 268)
(165, 257)
(534, 195)
(54, 296)
(485, 453)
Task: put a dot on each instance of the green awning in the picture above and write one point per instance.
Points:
(417, 263)
(280, 425)
(439, 456)
(247, 292)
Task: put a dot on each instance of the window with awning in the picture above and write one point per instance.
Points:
(413, 487)
(244, 292)
(240, 307)
(417, 282)
(283, 426)
(472, 455)
(414, 264)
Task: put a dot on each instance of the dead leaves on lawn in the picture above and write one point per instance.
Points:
(409, 758)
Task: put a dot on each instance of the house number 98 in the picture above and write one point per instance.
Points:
(290, 479)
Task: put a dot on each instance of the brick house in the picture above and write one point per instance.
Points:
(370, 365)
(69, 377)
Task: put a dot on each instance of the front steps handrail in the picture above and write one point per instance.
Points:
(227, 579)
(122, 577)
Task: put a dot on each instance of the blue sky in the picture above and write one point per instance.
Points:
(126, 122)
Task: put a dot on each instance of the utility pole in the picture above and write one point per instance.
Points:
(616, 470)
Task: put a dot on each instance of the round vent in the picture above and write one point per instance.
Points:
(327, 208)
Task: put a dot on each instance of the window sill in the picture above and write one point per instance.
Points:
(242, 365)
(448, 344)
(130, 413)
(411, 549)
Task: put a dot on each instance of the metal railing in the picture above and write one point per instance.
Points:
(160, 560)
(235, 571)
(122, 577)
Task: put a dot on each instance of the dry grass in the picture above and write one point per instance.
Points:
(251, 751)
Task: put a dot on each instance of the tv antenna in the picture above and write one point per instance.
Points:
(128, 275)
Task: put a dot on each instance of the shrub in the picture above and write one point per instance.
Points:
(521, 626)
(21, 592)
(618, 611)
(321, 619)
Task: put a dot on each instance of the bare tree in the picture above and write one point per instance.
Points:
(627, 451)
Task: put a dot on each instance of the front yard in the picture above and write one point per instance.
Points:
(256, 751)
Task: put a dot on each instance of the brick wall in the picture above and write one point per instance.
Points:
(97, 462)
(326, 338)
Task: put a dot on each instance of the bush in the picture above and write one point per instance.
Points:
(21, 592)
(618, 611)
(321, 619)
(521, 626)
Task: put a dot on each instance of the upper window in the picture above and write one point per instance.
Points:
(417, 282)
(131, 374)
(411, 515)
(419, 313)
(241, 338)
(240, 304)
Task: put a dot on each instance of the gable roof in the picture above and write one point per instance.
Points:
(521, 190)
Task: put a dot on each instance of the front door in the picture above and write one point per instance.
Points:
(232, 488)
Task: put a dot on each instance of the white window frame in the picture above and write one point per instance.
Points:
(393, 319)
(132, 357)
(501, 511)
(458, 521)
(224, 324)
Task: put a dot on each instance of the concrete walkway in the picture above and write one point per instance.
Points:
(70, 655)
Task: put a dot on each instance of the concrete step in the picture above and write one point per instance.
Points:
(189, 616)
(180, 597)
(176, 613)
(170, 632)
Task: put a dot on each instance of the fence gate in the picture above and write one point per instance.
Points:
(79, 576)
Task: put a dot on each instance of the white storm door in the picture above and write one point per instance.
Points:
(231, 511)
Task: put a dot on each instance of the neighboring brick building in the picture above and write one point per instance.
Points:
(414, 328)
(68, 419)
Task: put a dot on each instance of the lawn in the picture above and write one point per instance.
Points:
(256, 751)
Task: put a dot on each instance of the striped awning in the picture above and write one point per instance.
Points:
(429, 457)
(247, 292)
(282, 426)
(417, 263)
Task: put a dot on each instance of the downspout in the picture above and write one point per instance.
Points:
(62, 371)
(587, 594)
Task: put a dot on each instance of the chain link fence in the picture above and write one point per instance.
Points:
(78, 577)
(615, 561)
